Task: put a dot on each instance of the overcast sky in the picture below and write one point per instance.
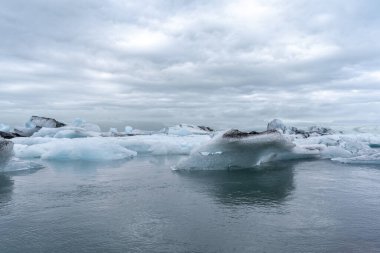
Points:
(218, 63)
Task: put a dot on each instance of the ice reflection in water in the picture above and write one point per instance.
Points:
(268, 186)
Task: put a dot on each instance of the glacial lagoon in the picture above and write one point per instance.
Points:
(142, 205)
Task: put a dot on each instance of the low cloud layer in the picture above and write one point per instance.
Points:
(220, 63)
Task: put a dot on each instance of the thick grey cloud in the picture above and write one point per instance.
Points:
(221, 63)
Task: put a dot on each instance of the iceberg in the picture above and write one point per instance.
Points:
(65, 132)
(343, 148)
(40, 122)
(83, 124)
(278, 125)
(186, 129)
(34, 125)
(100, 148)
(204, 148)
(237, 149)
(88, 149)
(4, 128)
(128, 129)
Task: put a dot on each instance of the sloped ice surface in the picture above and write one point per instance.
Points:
(224, 152)
(186, 129)
(255, 149)
(102, 148)
(6, 151)
(45, 122)
(65, 132)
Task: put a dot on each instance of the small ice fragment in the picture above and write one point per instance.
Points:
(4, 128)
(128, 129)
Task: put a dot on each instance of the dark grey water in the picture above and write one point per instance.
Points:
(143, 206)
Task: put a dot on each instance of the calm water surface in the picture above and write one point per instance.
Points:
(142, 205)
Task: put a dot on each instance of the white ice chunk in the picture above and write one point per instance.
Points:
(278, 125)
(163, 144)
(101, 148)
(223, 152)
(65, 132)
(5, 128)
(89, 149)
(128, 129)
(81, 123)
(36, 121)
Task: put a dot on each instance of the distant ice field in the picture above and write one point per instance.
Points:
(203, 147)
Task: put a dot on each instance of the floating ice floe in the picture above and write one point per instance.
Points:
(237, 149)
(81, 123)
(205, 148)
(6, 150)
(88, 149)
(128, 130)
(186, 129)
(34, 124)
(45, 122)
(279, 126)
(100, 148)
(65, 132)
